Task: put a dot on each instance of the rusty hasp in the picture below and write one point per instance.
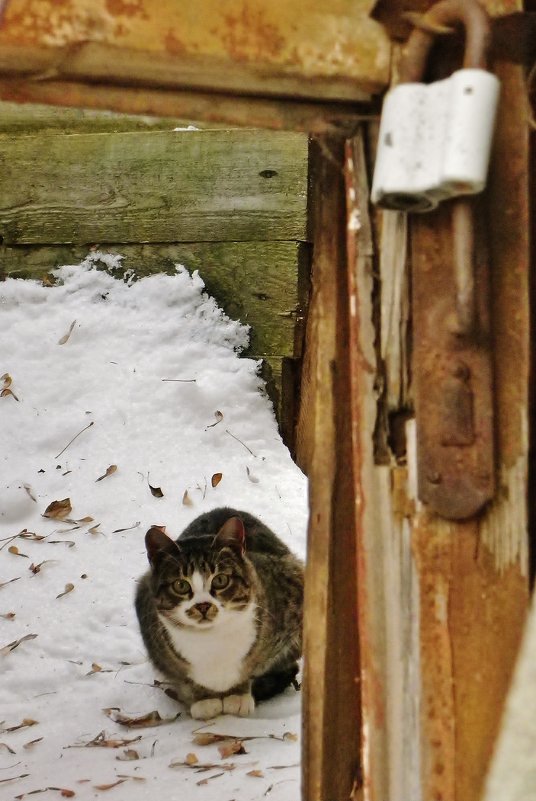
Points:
(452, 367)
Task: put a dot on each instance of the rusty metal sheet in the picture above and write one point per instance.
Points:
(338, 51)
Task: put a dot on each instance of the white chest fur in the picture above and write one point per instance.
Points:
(216, 655)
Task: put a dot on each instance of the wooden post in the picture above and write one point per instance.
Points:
(441, 604)
(331, 701)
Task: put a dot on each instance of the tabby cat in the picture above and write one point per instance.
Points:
(220, 612)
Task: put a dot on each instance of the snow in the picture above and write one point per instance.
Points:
(148, 364)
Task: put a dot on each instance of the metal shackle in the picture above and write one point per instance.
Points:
(469, 14)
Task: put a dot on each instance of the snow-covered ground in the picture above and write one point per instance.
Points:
(130, 394)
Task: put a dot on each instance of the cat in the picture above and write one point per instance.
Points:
(220, 612)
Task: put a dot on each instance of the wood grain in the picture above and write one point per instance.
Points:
(153, 187)
(331, 719)
(24, 118)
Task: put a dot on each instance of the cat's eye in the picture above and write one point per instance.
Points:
(220, 581)
(181, 586)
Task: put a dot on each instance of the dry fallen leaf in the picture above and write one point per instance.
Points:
(31, 743)
(15, 551)
(156, 492)
(29, 490)
(5, 392)
(14, 778)
(93, 529)
(258, 774)
(61, 790)
(103, 787)
(100, 741)
(186, 500)
(141, 721)
(8, 748)
(6, 378)
(65, 337)
(129, 755)
(9, 616)
(109, 471)
(201, 767)
(190, 759)
(290, 736)
(68, 588)
(128, 528)
(208, 738)
(209, 778)
(58, 510)
(10, 581)
(87, 519)
(219, 417)
(37, 568)
(216, 478)
(12, 645)
(26, 723)
(230, 748)
(29, 535)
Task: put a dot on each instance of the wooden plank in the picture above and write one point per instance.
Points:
(153, 187)
(33, 117)
(475, 581)
(441, 604)
(331, 718)
(263, 284)
(306, 49)
(386, 572)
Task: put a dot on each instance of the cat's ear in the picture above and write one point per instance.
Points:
(157, 543)
(231, 535)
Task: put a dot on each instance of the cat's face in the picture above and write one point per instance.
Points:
(203, 581)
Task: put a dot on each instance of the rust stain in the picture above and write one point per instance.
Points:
(432, 550)
(248, 35)
(129, 8)
(173, 44)
(57, 22)
(487, 610)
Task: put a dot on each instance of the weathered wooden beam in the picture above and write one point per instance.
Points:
(331, 722)
(212, 109)
(304, 49)
(441, 604)
(20, 118)
(153, 187)
(473, 575)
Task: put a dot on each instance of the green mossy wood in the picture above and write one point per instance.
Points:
(156, 186)
(232, 204)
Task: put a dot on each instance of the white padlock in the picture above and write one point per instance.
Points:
(434, 141)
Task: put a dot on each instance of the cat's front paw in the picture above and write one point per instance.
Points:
(240, 705)
(207, 708)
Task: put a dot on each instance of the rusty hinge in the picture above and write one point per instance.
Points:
(452, 368)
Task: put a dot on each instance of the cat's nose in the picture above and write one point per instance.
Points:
(203, 607)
